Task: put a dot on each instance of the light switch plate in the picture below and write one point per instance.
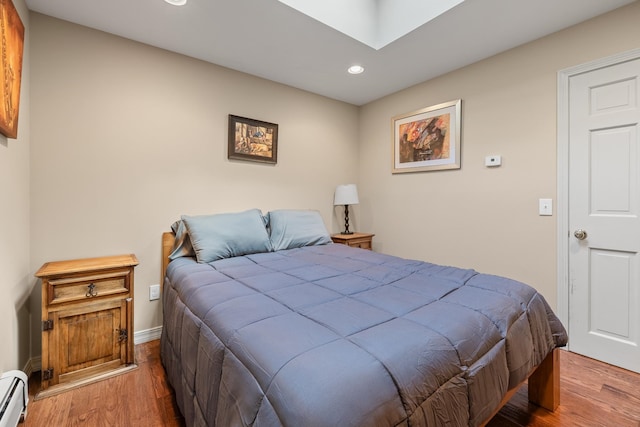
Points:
(545, 207)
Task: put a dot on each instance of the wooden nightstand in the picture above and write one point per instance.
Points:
(355, 240)
(87, 321)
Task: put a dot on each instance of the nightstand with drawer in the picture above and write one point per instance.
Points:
(355, 240)
(87, 321)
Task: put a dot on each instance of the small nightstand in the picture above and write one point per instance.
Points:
(87, 321)
(355, 240)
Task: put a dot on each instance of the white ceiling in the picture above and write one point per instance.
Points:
(267, 38)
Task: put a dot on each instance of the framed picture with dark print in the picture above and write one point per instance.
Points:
(427, 139)
(12, 32)
(252, 140)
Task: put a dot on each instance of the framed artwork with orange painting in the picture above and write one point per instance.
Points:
(427, 139)
(12, 34)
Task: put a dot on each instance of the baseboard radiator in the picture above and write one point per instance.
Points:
(14, 392)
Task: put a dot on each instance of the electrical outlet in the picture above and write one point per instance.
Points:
(154, 292)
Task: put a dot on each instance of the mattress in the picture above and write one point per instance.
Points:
(331, 335)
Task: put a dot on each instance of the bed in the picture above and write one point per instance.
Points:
(269, 323)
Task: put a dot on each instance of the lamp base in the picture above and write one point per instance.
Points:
(346, 221)
(346, 232)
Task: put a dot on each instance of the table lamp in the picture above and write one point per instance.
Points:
(346, 195)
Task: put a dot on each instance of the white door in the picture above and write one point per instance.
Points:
(604, 214)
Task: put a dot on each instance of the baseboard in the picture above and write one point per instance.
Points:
(147, 335)
(35, 363)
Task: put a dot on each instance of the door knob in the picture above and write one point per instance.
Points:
(580, 234)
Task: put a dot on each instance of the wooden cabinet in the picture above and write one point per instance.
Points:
(87, 321)
(355, 240)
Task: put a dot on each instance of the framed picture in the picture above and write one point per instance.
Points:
(252, 140)
(427, 139)
(12, 35)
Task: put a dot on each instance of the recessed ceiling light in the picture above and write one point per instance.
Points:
(356, 69)
(177, 2)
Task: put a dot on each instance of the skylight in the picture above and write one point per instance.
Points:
(375, 23)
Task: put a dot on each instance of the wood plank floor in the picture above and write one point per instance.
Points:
(141, 397)
(592, 394)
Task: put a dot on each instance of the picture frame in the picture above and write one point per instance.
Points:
(252, 140)
(12, 33)
(427, 139)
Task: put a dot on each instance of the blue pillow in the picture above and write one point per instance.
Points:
(290, 229)
(182, 245)
(227, 235)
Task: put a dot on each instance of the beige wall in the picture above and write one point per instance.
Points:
(479, 217)
(15, 282)
(127, 137)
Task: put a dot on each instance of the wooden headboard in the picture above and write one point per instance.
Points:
(168, 238)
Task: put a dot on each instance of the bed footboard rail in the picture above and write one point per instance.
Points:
(544, 382)
(543, 385)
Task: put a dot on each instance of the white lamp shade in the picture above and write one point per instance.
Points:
(346, 195)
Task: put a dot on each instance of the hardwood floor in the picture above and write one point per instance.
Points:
(141, 397)
(592, 394)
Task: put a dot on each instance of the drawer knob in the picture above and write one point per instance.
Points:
(92, 291)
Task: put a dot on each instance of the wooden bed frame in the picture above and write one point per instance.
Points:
(543, 380)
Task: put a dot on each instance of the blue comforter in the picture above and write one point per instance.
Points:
(337, 336)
